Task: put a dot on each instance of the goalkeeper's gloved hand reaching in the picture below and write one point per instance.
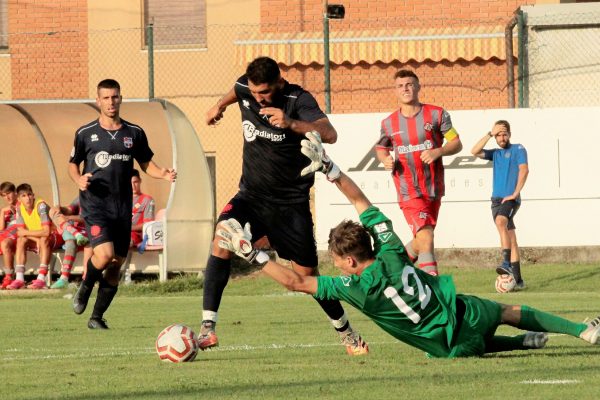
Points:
(238, 240)
(312, 147)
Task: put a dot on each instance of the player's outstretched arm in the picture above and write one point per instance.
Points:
(290, 279)
(313, 149)
(351, 190)
(236, 239)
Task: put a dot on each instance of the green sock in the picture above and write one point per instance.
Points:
(539, 321)
(505, 343)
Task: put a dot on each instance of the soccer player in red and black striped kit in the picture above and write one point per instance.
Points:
(273, 197)
(416, 133)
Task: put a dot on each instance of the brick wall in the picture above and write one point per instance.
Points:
(307, 15)
(48, 44)
(472, 84)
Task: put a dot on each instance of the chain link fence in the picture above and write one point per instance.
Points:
(463, 67)
(562, 61)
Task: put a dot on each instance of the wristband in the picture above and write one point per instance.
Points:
(262, 257)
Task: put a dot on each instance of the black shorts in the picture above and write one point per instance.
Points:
(103, 229)
(507, 209)
(289, 227)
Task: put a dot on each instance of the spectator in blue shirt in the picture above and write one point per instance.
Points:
(510, 174)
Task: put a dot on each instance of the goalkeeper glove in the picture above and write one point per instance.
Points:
(312, 147)
(238, 241)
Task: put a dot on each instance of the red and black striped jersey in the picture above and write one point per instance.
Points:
(408, 138)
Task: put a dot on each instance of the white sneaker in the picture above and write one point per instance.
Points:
(592, 333)
(535, 340)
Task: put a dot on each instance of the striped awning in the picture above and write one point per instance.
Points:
(435, 44)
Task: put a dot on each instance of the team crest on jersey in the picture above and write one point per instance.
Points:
(94, 137)
(246, 104)
(385, 236)
(346, 280)
(507, 154)
(380, 227)
(428, 126)
(128, 142)
(423, 215)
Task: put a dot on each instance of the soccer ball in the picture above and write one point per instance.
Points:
(505, 283)
(177, 343)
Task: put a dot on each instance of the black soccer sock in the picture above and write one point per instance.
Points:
(335, 312)
(516, 267)
(506, 256)
(92, 274)
(216, 276)
(106, 294)
(505, 343)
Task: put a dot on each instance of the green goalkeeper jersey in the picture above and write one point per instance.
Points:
(411, 305)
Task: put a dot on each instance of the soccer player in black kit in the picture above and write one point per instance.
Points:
(272, 195)
(107, 147)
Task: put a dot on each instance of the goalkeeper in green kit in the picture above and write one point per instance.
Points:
(416, 308)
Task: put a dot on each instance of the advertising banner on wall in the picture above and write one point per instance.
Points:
(560, 200)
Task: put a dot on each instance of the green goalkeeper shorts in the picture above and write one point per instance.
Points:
(481, 319)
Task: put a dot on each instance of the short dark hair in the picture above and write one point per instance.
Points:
(24, 187)
(351, 238)
(504, 123)
(405, 73)
(6, 187)
(263, 70)
(135, 172)
(108, 84)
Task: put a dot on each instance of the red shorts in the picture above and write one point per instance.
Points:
(420, 212)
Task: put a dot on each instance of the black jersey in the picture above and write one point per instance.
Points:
(272, 160)
(108, 156)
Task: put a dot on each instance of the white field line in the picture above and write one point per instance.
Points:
(551, 381)
(147, 350)
(14, 354)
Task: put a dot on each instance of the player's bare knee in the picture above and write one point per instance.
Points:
(501, 223)
(101, 261)
(216, 250)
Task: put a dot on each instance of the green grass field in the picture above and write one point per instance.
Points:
(276, 345)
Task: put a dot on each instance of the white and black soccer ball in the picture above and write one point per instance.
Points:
(505, 283)
(177, 343)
